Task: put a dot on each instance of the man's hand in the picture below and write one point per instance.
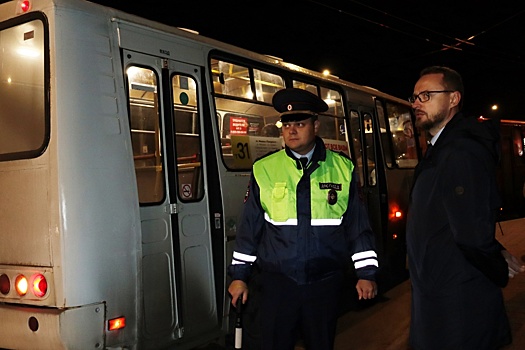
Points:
(515, 265)
(366, 289)
(238, 289)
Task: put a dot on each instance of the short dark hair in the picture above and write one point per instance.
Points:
(451, 79)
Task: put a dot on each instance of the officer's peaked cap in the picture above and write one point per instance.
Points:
(297, 104)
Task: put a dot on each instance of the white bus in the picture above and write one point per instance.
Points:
(125, 151)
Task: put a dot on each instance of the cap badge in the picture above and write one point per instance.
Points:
(289, 107)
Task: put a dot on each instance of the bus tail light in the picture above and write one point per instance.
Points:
(5, 284)
(24, 6)
(395, 213)
(39, 285)
(21, 285)
(116, 323)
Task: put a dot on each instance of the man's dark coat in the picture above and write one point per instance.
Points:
(456, 267)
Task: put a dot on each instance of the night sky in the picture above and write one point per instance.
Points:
(382, 44)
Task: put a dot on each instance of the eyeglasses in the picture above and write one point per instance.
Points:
(424, 96)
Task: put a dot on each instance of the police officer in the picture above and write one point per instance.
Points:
(303, 223)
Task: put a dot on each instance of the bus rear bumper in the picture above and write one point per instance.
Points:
(35, 328)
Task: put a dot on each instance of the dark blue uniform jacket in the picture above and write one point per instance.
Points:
(295, 251)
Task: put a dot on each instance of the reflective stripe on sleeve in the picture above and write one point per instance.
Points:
(368, 262)
(240, 258)
(364, 255)
(366, 258)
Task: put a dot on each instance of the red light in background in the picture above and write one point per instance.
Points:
(5, 285)
(394, 236)
(395, 212)
(39, 285)
(116, 323)
(25, 5)
(21, 285)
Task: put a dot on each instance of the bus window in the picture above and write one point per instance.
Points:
(231, 79)
(332, 129)
(331, 97)
(305, 86)
(403, 136)
(333, 132)
(145, 134)
(385, 135)
(241, 116)
(187, 138)
(234, 80)
(266, 85)
(24, 129)
(334, 100)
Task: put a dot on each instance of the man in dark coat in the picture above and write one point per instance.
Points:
(456, 265)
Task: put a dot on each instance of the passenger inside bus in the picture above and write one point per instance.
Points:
(270, 130)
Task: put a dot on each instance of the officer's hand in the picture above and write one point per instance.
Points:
(238, 289)
(366, 289)
(515, 265)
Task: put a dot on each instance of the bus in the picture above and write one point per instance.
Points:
(126, 148)
(511, 169)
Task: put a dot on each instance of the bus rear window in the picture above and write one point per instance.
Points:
(24, 127)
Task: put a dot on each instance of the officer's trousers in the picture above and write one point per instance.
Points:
(289, 312)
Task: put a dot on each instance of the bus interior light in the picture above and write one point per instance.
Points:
(117, 323)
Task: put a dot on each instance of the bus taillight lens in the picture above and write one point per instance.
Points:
(39, 286)
(5, 285)
(395, 213)
(21, 285)
(116, 323)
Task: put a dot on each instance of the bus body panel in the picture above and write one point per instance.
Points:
(20, 243)
(96, 182)
(55, 328)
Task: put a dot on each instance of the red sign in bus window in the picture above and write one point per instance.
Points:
(238, 126)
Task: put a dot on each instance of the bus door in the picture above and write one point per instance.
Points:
(165, 110)
(366, 159)
(399, 155)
